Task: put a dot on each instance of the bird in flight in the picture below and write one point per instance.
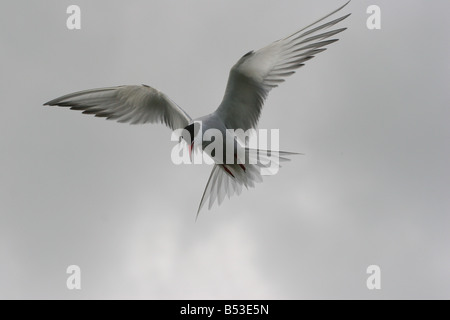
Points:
(250, 80)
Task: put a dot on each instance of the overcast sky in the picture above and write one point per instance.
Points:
(371, 115)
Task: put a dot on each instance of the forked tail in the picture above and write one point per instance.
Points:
(229, 179)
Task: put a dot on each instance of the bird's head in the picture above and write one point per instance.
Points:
(190, 133)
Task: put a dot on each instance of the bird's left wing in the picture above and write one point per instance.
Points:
(132, 104)
(257, 72)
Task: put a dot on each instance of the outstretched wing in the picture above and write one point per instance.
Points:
(132, 104)
(257, 72)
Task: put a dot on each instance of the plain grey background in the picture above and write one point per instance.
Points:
(371, 115)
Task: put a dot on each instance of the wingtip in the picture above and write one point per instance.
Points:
(342, 7)
(51, 103)
(198, 213)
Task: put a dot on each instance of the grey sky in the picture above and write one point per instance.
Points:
(371, 114)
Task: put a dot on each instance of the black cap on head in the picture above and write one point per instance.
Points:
(193, 129)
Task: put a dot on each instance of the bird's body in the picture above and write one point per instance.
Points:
(249, 83)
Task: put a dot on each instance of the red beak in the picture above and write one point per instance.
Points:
(191, 146)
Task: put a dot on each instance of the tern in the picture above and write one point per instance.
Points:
(250, 80)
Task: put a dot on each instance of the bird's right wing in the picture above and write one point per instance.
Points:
(132, 104)
(257, 72)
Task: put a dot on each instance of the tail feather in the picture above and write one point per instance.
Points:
(229, 179)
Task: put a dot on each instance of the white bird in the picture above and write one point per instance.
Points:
(249, 83)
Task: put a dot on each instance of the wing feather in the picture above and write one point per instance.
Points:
(132, 104)
(257, 72)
